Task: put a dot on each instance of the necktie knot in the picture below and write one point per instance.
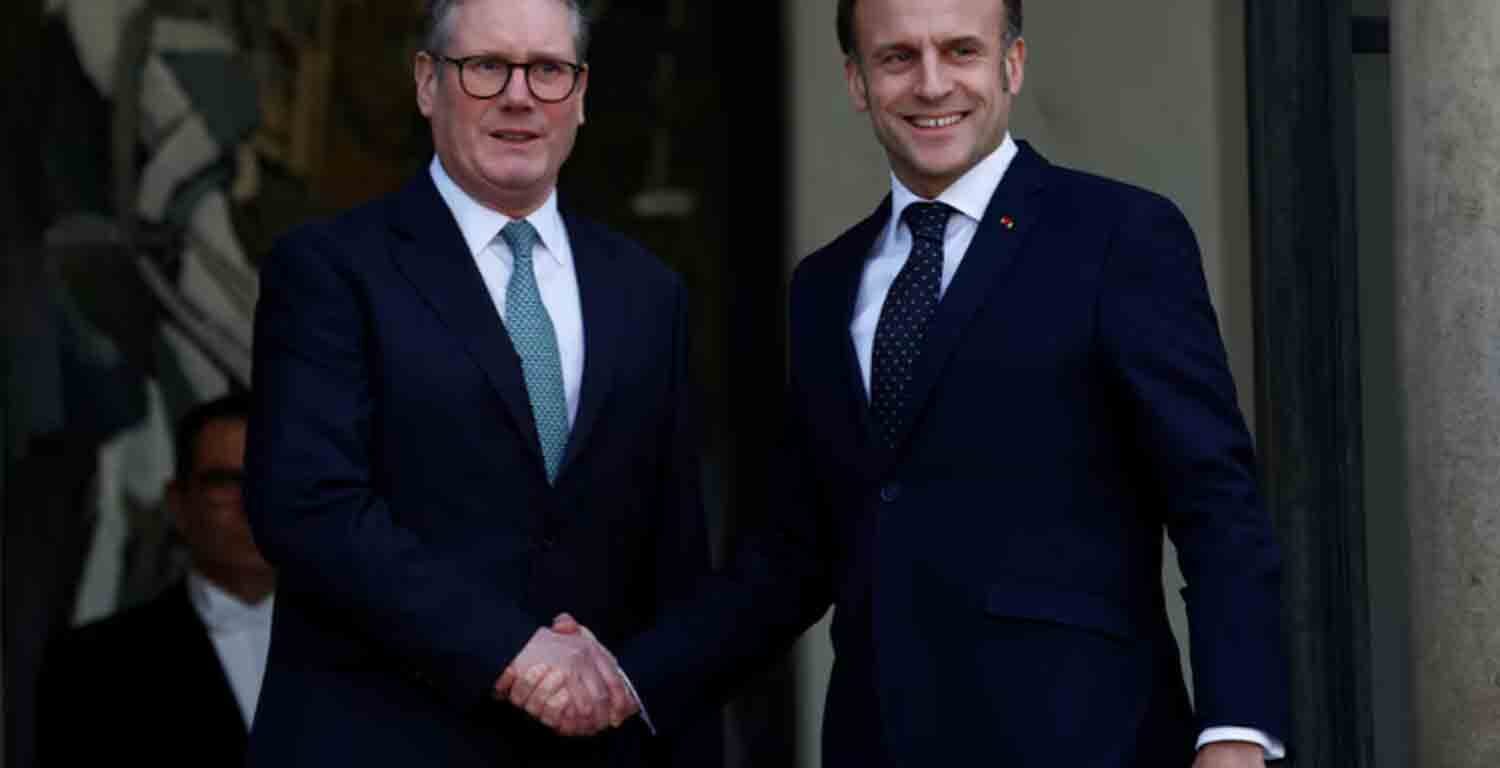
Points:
(521, 237)
(927, 221)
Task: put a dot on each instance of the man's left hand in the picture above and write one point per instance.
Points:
(1231, 754)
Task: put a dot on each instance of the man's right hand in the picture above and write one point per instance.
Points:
(564, 678)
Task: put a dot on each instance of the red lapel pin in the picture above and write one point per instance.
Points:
(1007, 222)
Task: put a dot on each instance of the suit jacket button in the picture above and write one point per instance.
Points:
(890, 492)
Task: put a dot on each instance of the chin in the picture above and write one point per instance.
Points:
(512, 167)
(513, 183)
(938, 163)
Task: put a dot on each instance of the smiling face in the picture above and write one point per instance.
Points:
(506, 151)
(938, 82)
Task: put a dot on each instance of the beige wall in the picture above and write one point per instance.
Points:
(1151, 92)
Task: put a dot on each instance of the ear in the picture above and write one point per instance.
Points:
(858, 88)
(424, 73)
(583, 87)
(1015, 62)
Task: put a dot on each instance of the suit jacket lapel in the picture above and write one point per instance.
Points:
(1008, 219)
(202, 671)
(603, 298)
(859, 243)
(432, 254)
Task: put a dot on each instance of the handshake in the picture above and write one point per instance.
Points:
(568, 680)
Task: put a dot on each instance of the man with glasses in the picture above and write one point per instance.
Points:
(174, 682)
(472, 413)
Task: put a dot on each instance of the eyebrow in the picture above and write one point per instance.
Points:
(944, 44)
(971, 40)
(533, 56)
(889, 47)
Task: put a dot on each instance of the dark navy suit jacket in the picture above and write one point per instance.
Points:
(997, 576)
(396, 481)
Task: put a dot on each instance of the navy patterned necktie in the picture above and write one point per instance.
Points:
(531, 333)
(908, 308)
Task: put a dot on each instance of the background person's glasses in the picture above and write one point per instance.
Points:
(218, 485)
(486, 75)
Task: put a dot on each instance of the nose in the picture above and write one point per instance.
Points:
(935, 82)
(515, 93)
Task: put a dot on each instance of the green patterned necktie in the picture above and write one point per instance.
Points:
(531, 333)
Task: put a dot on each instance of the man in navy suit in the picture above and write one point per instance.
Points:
(1005, 384)
(471, 412)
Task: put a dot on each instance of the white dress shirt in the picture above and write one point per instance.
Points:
(241, 634)
(969, 196)
(552, 261)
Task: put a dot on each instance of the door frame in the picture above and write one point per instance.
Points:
(1305, 287)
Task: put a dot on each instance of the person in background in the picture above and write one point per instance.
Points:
(174, 681)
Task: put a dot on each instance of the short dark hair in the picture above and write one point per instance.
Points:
(435, 25)
(846, 24)
(233, 406)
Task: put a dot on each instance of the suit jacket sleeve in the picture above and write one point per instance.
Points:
(1163, 345)
(775, 585)
(313, 503)
(682, 556)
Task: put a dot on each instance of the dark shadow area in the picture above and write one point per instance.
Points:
(1305, 279)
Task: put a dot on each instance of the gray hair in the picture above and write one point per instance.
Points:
(436, 21)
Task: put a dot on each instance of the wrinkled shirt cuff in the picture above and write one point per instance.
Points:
(1274, 749)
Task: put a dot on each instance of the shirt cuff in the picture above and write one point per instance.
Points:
(641, 705)
(1274, 749)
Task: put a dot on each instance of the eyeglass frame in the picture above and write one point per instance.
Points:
(217, 485)
(461, 62)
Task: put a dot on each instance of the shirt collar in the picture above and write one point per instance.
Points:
(970, 194)
(222, 611)
(481, 224)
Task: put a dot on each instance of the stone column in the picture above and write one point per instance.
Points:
(1445, 64)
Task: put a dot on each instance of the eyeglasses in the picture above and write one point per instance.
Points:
(486, 75)
(218, 484)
